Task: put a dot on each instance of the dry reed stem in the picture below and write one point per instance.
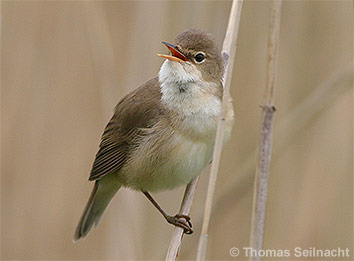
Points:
(265, 147)
(228, 52)
(335, 85)
(176, 240)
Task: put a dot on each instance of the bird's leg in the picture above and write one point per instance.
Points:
(179, 220)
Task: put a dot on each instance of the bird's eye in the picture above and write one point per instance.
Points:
(199, 57)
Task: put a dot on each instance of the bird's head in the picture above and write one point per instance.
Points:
(194, 57)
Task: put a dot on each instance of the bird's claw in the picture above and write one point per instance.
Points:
(182, 221)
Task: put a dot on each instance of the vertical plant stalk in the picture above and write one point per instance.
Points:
(228, 53)
(176, 240)
(265, 146)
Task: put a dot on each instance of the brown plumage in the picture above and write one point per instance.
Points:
(162, 134)
(139, 109)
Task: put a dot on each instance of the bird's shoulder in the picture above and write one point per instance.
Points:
(138, 110)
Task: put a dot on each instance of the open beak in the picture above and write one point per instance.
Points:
(175, 56)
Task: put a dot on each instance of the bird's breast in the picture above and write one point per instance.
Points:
(166, 162)
(170, 155)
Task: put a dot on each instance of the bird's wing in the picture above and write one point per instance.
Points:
(138, 110)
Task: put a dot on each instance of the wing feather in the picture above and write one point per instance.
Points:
(138, 110)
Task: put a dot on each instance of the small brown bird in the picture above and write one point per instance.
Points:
(162, 134)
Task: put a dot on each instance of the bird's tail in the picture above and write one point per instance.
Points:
(101, 195)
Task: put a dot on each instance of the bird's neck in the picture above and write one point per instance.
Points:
(186, 93)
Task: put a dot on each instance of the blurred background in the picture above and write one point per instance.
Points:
(64, 66)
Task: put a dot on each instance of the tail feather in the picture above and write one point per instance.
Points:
(101, 196)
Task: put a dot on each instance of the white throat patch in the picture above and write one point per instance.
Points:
(184, 91)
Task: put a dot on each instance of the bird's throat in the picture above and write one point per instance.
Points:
(185, 92)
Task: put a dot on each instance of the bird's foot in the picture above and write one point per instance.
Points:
(182, 221)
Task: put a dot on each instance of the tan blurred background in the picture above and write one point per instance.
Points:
(64, 66)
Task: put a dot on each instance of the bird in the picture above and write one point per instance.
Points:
(162, 134)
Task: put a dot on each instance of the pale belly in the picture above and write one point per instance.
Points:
(167, 158)
(178, 161)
